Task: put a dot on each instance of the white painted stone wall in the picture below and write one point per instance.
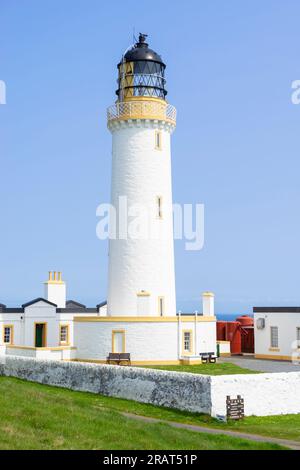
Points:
(145, 341)
(170, 389)
(24, 352)
(142, 173)
(57, 354)
(287, 323)
(264, 394)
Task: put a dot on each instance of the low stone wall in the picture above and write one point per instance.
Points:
(264, 394)
(59, 353)
(182, 391)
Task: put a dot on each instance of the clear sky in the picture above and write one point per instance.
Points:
(230, 66)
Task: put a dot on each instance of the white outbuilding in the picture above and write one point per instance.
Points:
(277, 333)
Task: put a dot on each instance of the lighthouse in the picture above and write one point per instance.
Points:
(138, 323)
(141, 275)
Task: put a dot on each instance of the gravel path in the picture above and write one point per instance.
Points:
(249, 362)
(190, 427)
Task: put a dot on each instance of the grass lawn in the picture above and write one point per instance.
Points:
(208, 369)
(281, 427)
(37, 416)
(284, 427)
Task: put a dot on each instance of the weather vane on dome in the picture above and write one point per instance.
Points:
(143, 37)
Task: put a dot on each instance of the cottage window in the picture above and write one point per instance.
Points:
(187, 341)
(274, 337)
(7, 335)
(64, 334)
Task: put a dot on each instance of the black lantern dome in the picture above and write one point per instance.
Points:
(141, 73)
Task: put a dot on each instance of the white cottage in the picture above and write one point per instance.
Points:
(72, 331)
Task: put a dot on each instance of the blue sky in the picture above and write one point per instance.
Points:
(230, 66)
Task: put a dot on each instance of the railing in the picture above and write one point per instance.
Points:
(141, 110)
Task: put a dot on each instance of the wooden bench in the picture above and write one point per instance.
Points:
(113, 358)
(118, 358)
(125, 357)
(208, 357)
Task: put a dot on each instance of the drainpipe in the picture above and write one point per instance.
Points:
(195, 334)
(179, 329)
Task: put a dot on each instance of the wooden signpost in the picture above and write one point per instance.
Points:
(235, 407)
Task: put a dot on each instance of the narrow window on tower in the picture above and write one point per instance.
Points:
(161, 306)
(159, 207)
(158, 140)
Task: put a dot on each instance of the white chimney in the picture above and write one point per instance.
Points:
(208, 301)
(55, 289)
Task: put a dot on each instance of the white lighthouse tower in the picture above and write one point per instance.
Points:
(141, 256)
(138, 325)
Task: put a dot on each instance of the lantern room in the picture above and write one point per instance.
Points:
(141, 73)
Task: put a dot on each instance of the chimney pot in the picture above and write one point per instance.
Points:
(55, 289)
(208, 304)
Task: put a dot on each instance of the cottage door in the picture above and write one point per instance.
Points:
(118, 342)
(39, 335)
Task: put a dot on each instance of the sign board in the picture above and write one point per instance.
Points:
(235, 407)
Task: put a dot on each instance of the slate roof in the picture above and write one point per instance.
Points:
(39, 299)
(71, 307)
(276, 309)
(74, 304)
